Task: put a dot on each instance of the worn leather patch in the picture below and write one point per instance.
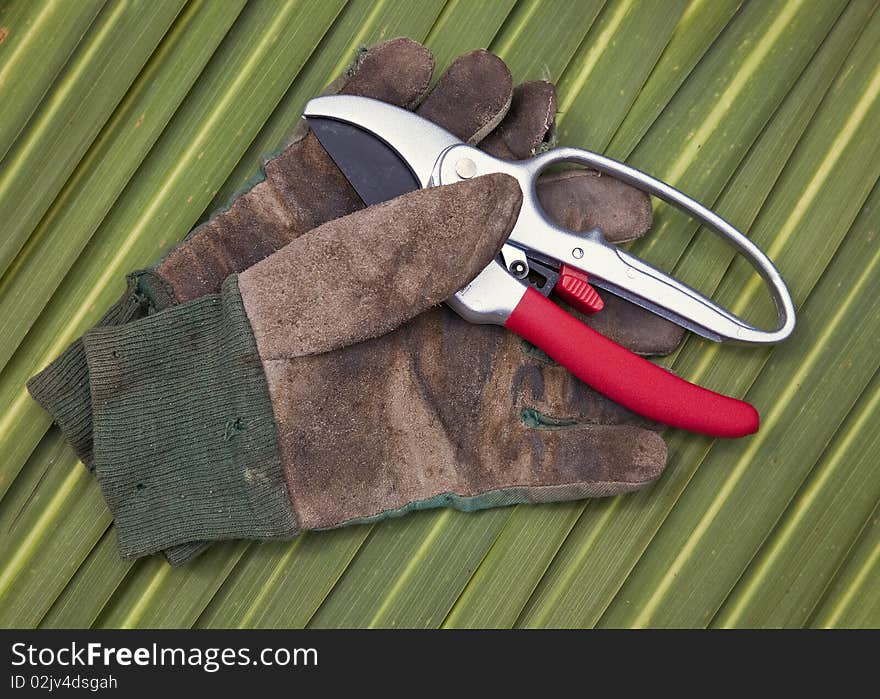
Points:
(437, 407)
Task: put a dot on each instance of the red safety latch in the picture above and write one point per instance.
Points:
(574, 288)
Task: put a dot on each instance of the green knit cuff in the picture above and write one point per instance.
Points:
(184, 553)
(62, 388)
(185, 446)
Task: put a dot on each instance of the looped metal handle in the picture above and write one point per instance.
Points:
(638, 281)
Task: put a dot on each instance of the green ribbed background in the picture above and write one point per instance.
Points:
(123, 123)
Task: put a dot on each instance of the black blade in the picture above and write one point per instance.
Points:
(374, 170)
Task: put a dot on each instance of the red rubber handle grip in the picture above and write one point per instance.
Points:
(625, 377)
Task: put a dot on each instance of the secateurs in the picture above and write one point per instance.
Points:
(385, 151)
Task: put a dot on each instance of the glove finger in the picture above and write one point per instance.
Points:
(581, 200)
(547, 395)
(471, 98)
(397, 71)
(527, 124)
(577, 462)
(362, 275)
(634, 327)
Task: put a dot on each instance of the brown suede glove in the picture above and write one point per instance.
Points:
(282, 404)
(303, 188)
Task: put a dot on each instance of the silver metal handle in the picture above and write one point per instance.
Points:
(614, 269)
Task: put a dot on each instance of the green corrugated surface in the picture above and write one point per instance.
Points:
(765, 109)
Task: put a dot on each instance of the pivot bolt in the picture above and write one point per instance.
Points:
(465, 168)
(519, 269)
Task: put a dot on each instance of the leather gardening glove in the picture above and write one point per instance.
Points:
(190, 406)
(430, 414)
(302, 189)
(465, 102)
(442, 412)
